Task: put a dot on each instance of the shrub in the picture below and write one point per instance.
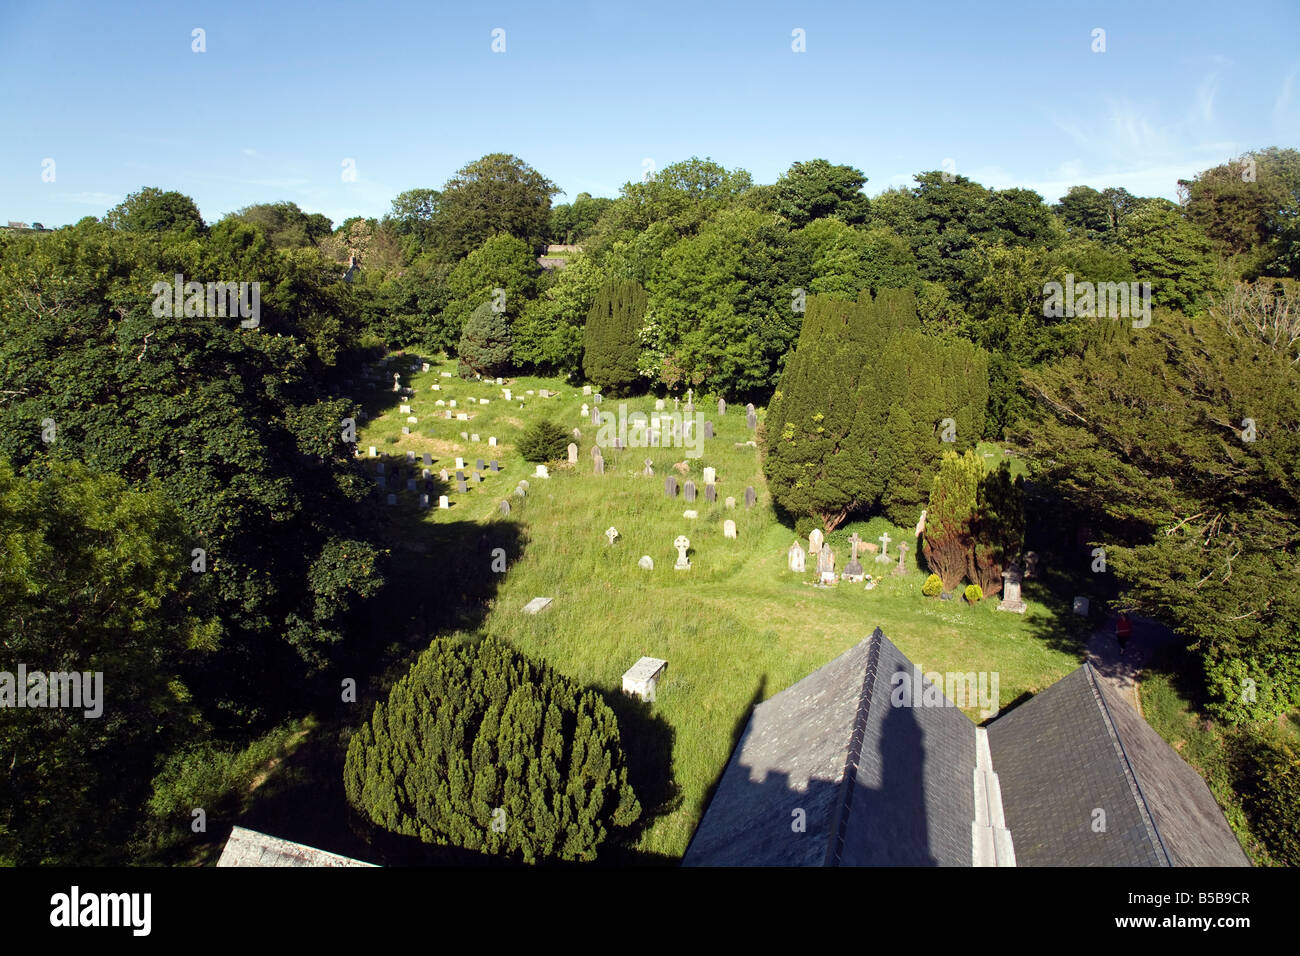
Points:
(933, 586)
(1267, 772)
(544, 441)
(480, 747)
(974, 593)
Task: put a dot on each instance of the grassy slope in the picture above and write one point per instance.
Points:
(735, 629)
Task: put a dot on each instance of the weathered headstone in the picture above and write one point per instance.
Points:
(573, 453)
(730, 503)
(494, 466)
(474, 438)
(492, 441)
(461, 486)
(478, 464)
(595, 416)
(682, 544)
(708, 430)
(795, 557)
(710, 475)
(711, 493)
(460, 463)
(670, 487)
(392, 499)
(381, 481)
(537, 605)
(443, 502)
(826, 565)
(406, 430)
(646, 562)
(611, 534)
(751, 419)
(728, 528)
(424, 501)
(460, 474)
(1081, 606)
(750, 497)
(474, 478)
(883, 556)
(901, 567)
(815, 541)
(1011, 599)
(659, 404)
(410, 484)
(722, 406)
(688, 490)
(690, 514)
(373, 451)
(504, 507)
(428, 459)
(649, 468)
(443, 475)
(542, 472)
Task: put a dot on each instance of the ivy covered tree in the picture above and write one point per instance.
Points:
(481, 748)
(484, 347)
(950, 521)
(611, 342)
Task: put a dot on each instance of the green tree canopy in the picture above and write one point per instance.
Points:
(816, 189)
(153, 210)
(611, 342)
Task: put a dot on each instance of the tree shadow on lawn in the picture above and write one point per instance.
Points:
(647, 740)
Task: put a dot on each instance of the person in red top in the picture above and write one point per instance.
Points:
(1123, 629)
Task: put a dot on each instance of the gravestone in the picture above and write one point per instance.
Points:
(460, 463)
(586, 410)
(794, 558)
(682, 543)
(492, 441)
(750, 497)
(597, 398)
(474, 438)
(521, 491)
(659, 404)
(474, 478)
(424, 501)
(406, 430)
(826, 565)
(1011, 599)
(373, 452)
(452, 403)
(611, 534)
(381, 481)
(523, 483)
(646, 562)
(595, 451)
(460, 474)
(392, 499)
(728, 528)
(542, 472)
(573, 453)
(711, 493)
(595, 416)
(883, 556)
(670, 487)
(749, 407)
(379, 467)
(443, 475)
(690, 514)
(722, 406)
(443, 502)
(688, 490)
(461, 486)
(504, 507)
(537, 605)
(586, 390)
(428, 459)
(730, 503)
(815, 541)
(710, 475)
(649, 468)
(478, 464)
(404, 409)
(751, 419)
(494, 466)
(708, 430)
(598, 465)
(507, 395)
(690, 399)
(901, 567)
(410, 484)
(577, 434)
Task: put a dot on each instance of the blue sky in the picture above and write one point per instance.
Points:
(586, 92)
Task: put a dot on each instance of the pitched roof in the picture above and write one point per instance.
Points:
(250, 848)
(1079, 748)
(876, 784)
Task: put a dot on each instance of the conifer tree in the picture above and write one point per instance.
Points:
(998, 531)
(611, 344)
(949, 525)
(484, 347)
(481, 748)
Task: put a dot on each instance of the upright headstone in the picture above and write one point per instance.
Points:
(722, 406)
(751, 419)
(730, 503)
(443, 502)
(443, 475)
(1011, 599)
(708, 430)
(504, 507)
(670, 487)
(659, 404)
(598, 465)
(573, 453)
(688, 490)
(611, 534)
(883, 556)
(795, 558)
(542, 472)
(428, 459)
(410, 484)
(461, 486)
(826, 565)
(460, 463)
(682, 544)
(728, 528)
(392, 499)
(424, 501)
(595, 416)
(649, 468)
(710, 475)
(901, 567)
(646, 562)
(815, 541)
(478, 464)
(492, 441)
(494, 466)
(711, 493)
(750, 497)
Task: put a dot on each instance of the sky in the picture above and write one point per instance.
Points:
(340, 107)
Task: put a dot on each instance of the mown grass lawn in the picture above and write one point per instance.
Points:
(736, 628)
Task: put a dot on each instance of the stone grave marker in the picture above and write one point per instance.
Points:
(460, 463)
(815, 541)
(424, 501)
(428, 459)
(1011, 599)
(708, 430)
(728, 528)
(504, 507)
(901, 567)
(461, 486)
(751, 419)
(722, 406)
(494, 466)
(573, 453)
(649, 468)
(406, 430)
(646, 562)
(710, 475)
(688, 490)
(537, 605)
(826, 565)
(611, 534)
(492, 441)
(542, 472)
(474, 438)
(478, 464)
(659, 404)
(750, 497)
(443, 474)
(598, 465)
(682, 544)
(794, 558)
(730, 503)
(410, 484)
(883, 556)
(711, 493)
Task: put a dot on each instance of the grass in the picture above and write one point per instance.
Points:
(736, 628)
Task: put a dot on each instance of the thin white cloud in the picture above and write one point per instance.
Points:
(1282, 105)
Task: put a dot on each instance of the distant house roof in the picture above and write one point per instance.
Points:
(1079, 748)
(250, 848)
(828, 772)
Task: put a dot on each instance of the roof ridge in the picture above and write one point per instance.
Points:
(844, 805)
(1130, 774)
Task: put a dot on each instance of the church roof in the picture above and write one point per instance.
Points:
(250, 848)
(830, 773)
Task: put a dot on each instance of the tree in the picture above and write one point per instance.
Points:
(285, 224)
(152, 210)
(572, 223)
(1086, 214)
(949, 522)
(549, 333)
(997, 529)
(1179, 442)
(611, 342)
(95, 578)
(502, 271)
(496, 194)
(1171, 254)
(481, 748)
(484, 347)
(842, 436)
(816, 189)
(544, 440)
